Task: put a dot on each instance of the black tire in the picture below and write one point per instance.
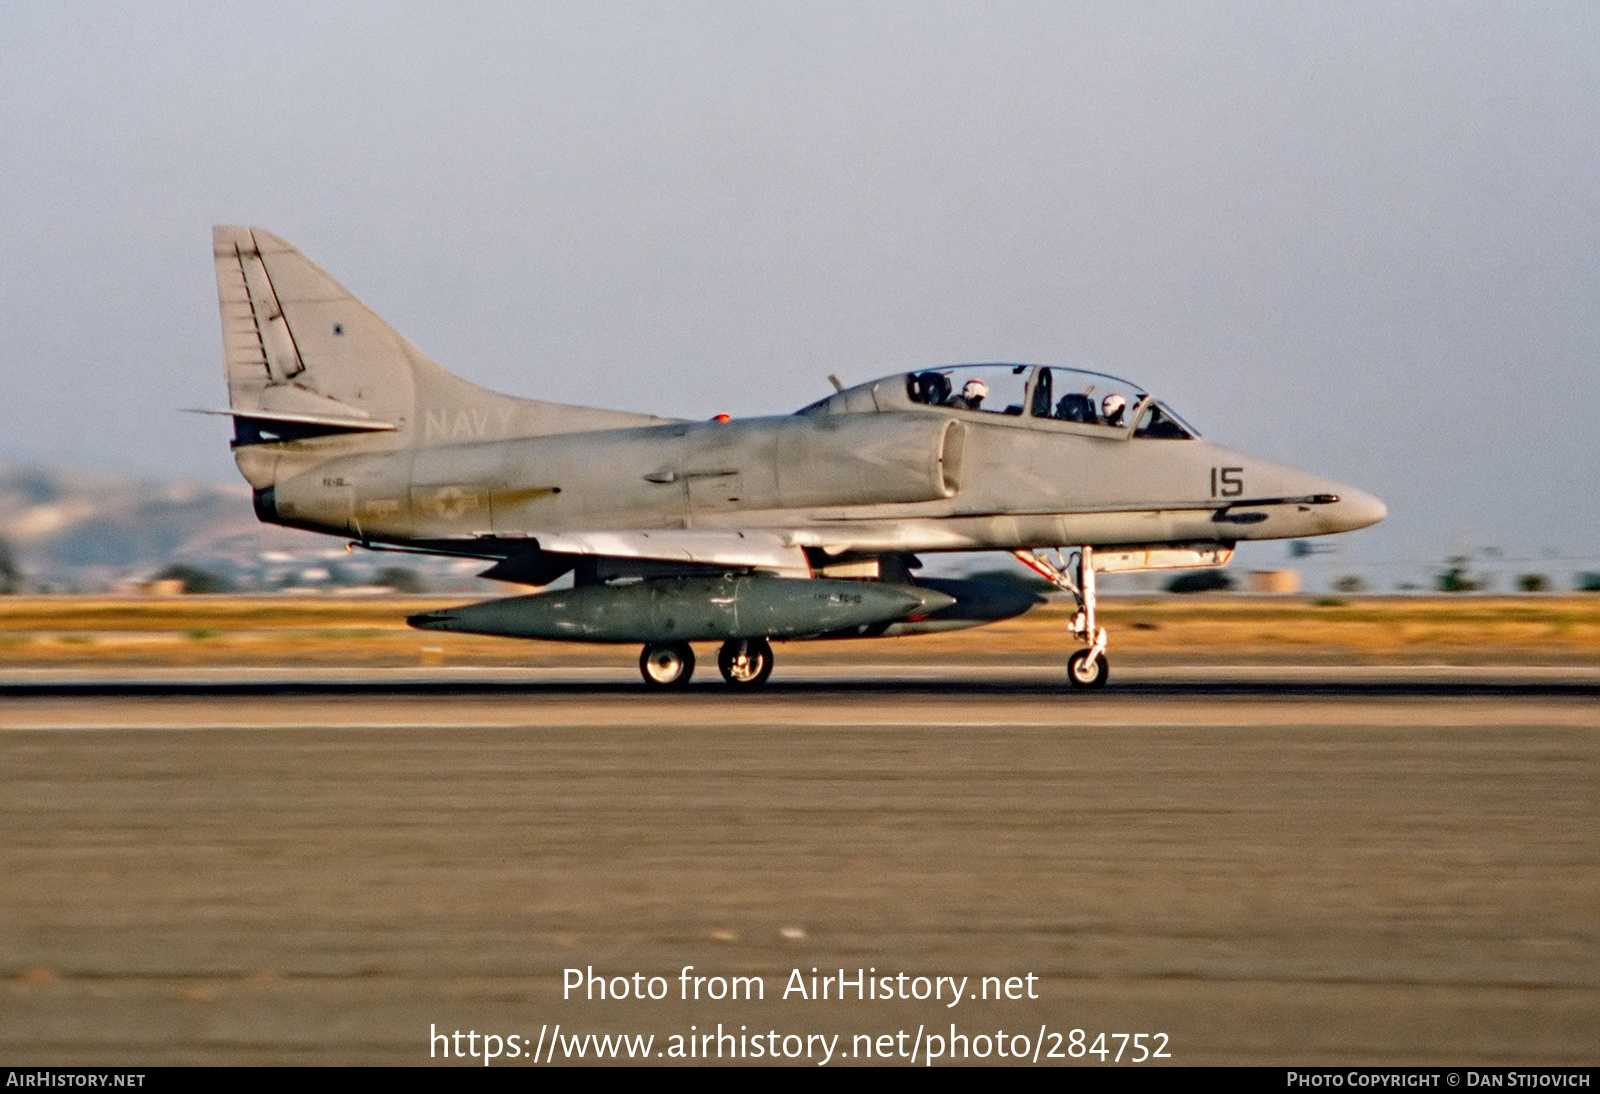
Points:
(667, 664)
(1079, 675)
(745, 662)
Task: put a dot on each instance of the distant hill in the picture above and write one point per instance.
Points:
(73, 528)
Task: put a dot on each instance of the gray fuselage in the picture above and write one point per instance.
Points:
(862, 472)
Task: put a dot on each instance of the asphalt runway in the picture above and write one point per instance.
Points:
(1265, 866)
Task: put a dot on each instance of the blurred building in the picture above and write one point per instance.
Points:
(1273, 581)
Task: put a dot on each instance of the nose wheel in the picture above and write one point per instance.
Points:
(1086, 668)
(667, 664)
(745, 662)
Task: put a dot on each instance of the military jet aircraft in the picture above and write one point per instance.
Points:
(806, 525)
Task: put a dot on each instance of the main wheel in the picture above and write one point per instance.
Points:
(667, 665)
(1081, 674)
(745, 662)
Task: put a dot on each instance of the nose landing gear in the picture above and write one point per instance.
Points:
(1088, 668)
(1085, 669)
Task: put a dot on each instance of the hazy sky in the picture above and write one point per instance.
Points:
(1359, 239)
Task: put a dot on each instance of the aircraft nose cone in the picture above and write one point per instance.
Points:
(1358, 509)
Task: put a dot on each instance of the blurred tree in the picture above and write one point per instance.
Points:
(1200, 581)
(1533, 583)
(10, 569)
(1012, 577)
(402, 579)
(1455, 578)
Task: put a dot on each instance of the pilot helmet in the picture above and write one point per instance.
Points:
(1113, 407)
(975, 389)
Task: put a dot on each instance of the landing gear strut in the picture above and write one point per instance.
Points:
(1088, 668)
(667, 664)
(745, 662)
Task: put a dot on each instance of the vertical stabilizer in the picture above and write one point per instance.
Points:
(299, 348)
(296, 342)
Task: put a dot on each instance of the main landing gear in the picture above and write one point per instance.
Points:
(1088, 668)
(667, 664)
(744, 663)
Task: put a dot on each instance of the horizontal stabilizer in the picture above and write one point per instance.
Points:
(328, 420)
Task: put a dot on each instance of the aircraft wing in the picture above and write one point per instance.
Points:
(757, 550)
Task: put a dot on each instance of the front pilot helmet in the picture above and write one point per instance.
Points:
(976, 389)
(1114, 405)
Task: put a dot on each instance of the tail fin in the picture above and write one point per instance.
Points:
(306, 358)
(297, 345)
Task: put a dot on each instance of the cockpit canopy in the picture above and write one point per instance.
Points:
(1035, 394)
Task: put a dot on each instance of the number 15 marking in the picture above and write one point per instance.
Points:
(1227, 482)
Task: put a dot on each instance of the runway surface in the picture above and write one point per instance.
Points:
(1018, 677)
(1266, 865)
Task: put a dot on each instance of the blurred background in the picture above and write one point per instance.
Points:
(1354, 237)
